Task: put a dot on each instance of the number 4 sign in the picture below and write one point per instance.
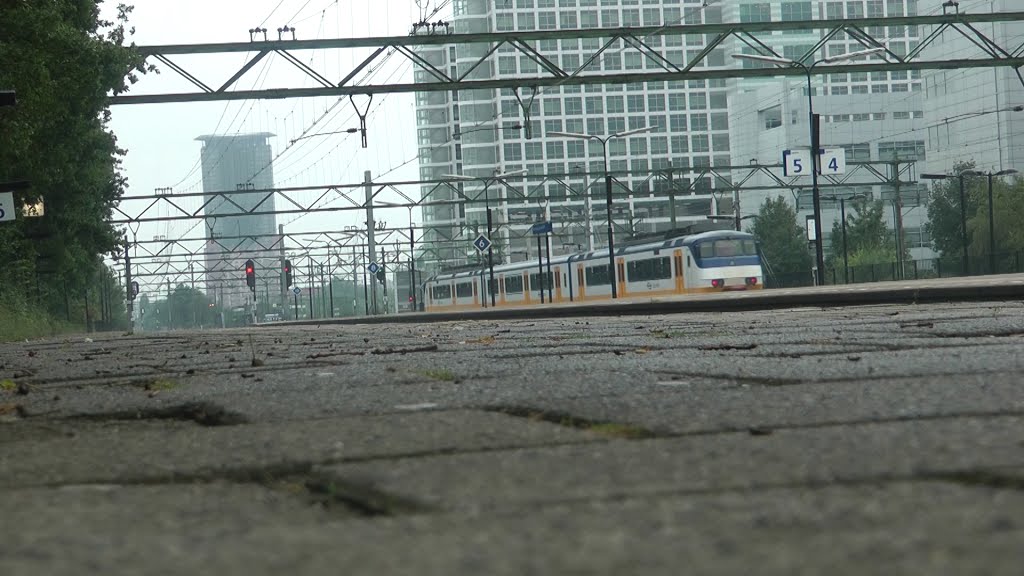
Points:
(833, 161)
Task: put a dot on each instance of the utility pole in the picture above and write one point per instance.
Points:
(170, 319)
(370, 227)
(412, 267)
(898, 205)
(671, 197)
(192, 278)
(128, 286)
(310, 284)
(280, 269)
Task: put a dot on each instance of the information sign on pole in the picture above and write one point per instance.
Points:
(796, 163)
(833, 161)
(296, 290)
(482, 243)
(541, 228)
(373, 267)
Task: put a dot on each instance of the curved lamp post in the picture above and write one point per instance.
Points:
(607, 188)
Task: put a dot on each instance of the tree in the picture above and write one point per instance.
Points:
(1008, 213)
(944, 225)
(787, 259)
(62, 61)
(868, 236)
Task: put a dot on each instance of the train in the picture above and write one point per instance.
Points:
(716, 261)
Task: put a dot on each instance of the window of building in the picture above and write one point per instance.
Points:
(759, 12)
(573, 106)
(635, 103)
(615, 104)
(568, 19)
(700, 143)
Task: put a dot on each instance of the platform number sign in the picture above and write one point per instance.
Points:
(482, 243)
(796, 163)
(833, 161)
(6, 206)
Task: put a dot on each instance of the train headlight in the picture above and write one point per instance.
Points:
(717, 283)
(752, 281)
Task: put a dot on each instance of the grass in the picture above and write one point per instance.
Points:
(444, 375)
(161, 385)
(20, 320)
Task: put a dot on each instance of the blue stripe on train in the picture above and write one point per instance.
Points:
(724, 262)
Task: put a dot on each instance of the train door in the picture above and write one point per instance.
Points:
(679, 271)
(620, 265)
(581, 282)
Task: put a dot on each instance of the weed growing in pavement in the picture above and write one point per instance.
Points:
(445, 375)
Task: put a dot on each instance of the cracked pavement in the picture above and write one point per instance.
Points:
(874, 439)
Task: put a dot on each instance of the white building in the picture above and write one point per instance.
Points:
(975, 114)
(878, 117)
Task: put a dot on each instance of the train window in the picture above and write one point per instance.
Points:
(535, 282)
(598, 275)
(464, 290)
(728, 248)
(492, 286)
(441, 292)
(650, 269)
(513, 285)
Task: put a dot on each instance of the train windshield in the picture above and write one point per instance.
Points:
(730, 248)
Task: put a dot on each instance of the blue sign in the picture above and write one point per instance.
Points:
(373, 267)
(482, 243)
(541, 228)
(296, 290)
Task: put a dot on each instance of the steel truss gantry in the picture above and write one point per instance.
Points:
(659, 66)
(172, 257)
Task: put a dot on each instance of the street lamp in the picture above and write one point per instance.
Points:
(487, 181)
(607, 188)
(963, 210)
(842, 215)
(808, 70)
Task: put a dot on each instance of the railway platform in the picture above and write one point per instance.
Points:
(883, 438)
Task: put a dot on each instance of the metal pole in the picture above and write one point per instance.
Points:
(814, 127)
(991, 230)
(540, 269)
(323, 301)
(490, 247)
(608, 202)
(671, 199)
(355, 281)
(127, 286)
(846, 248)
(384, 275)
(963, 228)
(370, 226)
(366, 296)
(898, 206)
(330, 284)
(412, 265)
(309, 283)
(550, 279)
(280, 270)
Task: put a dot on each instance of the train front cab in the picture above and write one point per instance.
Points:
(723, 263)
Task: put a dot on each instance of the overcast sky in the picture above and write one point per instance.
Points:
(160, 138)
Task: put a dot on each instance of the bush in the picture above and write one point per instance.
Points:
(19, 319)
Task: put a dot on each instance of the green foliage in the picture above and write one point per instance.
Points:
(782, 241)
(869, 237)
(62, 61)
(188, 308)
(944, 225)
(1008, 213)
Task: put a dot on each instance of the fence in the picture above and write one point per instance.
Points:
(948, 267)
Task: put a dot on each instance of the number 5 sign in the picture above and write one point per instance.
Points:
(796, 163)
(6, 206)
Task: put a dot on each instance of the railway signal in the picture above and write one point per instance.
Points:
(250, 274)
(287, 273)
